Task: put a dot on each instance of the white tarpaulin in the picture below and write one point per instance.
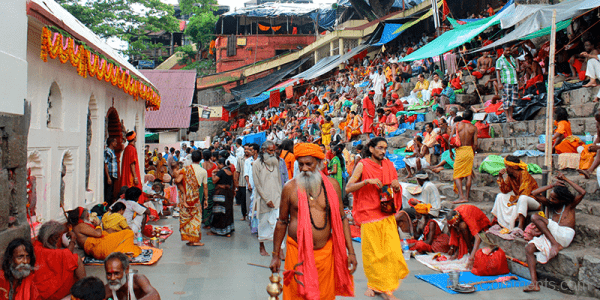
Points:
(537, 17)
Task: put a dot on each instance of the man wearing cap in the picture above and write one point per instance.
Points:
(510, 208)
(320, 258)
(395, 104)
(465, 223)
(383, 261)
(433, 238)
(130, 169)
(368, 112)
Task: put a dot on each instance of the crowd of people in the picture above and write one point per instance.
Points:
(312, 178)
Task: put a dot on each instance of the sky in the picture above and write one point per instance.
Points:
(240, 3)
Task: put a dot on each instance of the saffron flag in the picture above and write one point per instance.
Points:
(289, 92)
(225, 115)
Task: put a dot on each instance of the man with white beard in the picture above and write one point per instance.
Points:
(320, 253)
(268, 186)
(17, 265)
(124, 285)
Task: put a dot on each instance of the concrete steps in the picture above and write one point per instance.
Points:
(579, 126)
(508, 145)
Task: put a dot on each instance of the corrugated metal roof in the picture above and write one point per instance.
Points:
(176, 88)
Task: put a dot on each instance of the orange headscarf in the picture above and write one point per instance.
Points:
(520, 165)
(423, 208)
(308, 149)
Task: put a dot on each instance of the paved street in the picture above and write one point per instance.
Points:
(219, 270)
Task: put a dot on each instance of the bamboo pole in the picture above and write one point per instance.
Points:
(550, 104)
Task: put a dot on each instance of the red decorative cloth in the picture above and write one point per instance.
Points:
(306, 272)
(367, 207)
(55, 274)
(274, 98)
(225, 115)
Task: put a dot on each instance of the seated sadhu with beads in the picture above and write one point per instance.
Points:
(320, 258)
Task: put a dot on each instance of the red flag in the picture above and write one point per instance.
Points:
(225, 115)
(274, 98)
(446, 10)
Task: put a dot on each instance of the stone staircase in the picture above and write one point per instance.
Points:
(575, 269)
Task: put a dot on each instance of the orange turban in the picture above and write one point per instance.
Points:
(423, 208)
(308, 149)
(131, 137)
(520, 165)
(394, 95)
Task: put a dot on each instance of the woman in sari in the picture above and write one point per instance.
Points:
(209, 166)
(222, 212)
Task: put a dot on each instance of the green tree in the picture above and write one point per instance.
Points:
(128, 20)
(201, 29)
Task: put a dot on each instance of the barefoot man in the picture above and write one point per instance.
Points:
(318, 233)
(267, 181)
(383, 262)
(556, 233)
(466, 143)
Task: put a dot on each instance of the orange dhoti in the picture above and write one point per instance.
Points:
(324, 262)
(121, 241)
(568, 145)
(587, 158)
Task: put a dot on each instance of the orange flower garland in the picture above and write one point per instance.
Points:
(87, 63)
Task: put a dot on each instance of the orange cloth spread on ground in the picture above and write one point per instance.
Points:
(25, 291)
(367, 207)
(55, 274)
(289, 159)
(476, 221)
(130, 157)
(463, 163)
(323, 273)
(121, 241)
(570, 142)
(531, 82)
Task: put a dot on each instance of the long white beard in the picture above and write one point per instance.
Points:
(21, 271)
(310, 181)
(115, 285)
(271, 160)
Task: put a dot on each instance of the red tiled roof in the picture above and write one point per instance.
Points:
(176, 88)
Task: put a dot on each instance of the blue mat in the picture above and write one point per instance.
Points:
(441, 281)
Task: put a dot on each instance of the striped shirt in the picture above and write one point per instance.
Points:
(508, 69)
(110, 159)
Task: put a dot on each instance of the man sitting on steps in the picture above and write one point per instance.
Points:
(556, 233)
(508, 208)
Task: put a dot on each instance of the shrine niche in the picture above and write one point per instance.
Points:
(115, 128)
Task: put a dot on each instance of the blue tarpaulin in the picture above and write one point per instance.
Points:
(256, 138)
(325, 13)
(397, 3)
(388, 34)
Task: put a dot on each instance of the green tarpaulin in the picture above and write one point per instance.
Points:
(546, 31)
(494, 163)
(456, 37)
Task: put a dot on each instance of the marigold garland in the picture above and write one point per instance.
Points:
(55, 44)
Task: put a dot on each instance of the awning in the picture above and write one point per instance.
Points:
(260, 85)
(397, 3)
(423, 17)
(546, 31)
(456, 37)
(464, 21)
(336, 62)
(318, 66)
(536, 17)
(389, 33)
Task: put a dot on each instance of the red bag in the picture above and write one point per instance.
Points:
(491, 264)
(483, 130)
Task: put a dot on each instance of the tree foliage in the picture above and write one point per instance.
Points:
(128, 20)
(202, 20)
